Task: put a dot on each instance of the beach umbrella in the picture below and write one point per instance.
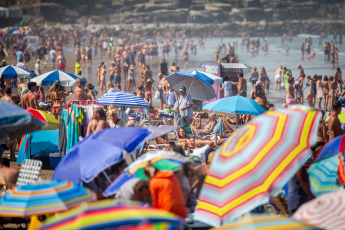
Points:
(43, 197)
(216, 79)
(50, 122)
(198, 85)
(15, 121)
(97, 152)
(110, 214)
(323, 175)
(265, 221)
(326, 211)
(48, 79)
(11, 72)
(235, 104)
(122, 99)
(163, 160)
(256, 162)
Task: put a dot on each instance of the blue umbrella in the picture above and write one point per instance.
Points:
(122, 99)
(198, 85)
(48, 79)
(10, 72)
(235, 104)
(117, 183)
(97, 152)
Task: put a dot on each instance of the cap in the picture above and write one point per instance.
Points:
(258, 83)
(41, 104)
(38, 60)
(182, 89)
(148, 80)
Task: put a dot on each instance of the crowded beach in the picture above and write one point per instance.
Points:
(112, 132)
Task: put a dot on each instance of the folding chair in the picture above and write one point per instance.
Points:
(29, 171)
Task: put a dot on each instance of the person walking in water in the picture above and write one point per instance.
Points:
(278, 77)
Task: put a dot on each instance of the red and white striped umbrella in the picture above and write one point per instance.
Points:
(326, 211)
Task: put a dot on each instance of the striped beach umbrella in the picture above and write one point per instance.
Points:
(44, 197)
(50, 122)
(256, 162)
(48, 79)
(10, 72)
(122, 99)
(110, 214)
(323, 175)
(326, 211)
(266, 222)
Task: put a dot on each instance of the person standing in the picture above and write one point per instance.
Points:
(185, 104)
(290, 92)
(164, 67)
(319, 90)
(227, 87)
(278, 77)
(30, 100)
(61, 62)
(241, 85)
(38, 67)
(334, 125)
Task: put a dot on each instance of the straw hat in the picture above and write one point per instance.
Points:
(131, 67)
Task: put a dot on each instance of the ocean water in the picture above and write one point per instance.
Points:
(275, 57)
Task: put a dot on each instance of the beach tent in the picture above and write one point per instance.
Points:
(40, 143)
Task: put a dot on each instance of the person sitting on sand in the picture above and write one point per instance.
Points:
(10, 175)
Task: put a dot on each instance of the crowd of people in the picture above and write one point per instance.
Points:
(130, 70)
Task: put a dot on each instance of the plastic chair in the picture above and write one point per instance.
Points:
(29, 171)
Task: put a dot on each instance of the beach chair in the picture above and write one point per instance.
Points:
(29, 171)
(147, 121)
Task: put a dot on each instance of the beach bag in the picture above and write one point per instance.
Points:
(157, 94)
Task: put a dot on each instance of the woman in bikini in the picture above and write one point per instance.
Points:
(55, 96)
(130, 79)
(331, 94)
(325, 88)
(90, 93)
(103, 72)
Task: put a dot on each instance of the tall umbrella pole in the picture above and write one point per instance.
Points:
(236, 120)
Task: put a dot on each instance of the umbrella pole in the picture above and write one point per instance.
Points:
(106, 176)
(236, 120)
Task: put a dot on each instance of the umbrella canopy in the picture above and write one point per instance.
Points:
(216, 79)
(48, 79)
(323, 175)
(122, 99)
(50, 122)
(235, 104)
(44, 197)
(162, 160)
(97, 152)
(326, 211)
(15, 121)
(198, 85)
(336, 145)
(256, 162)
(10, 72)
(111, 215)
(266, 222)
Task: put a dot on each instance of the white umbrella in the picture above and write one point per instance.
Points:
(216, 79)
(198, 85)
(48, 79)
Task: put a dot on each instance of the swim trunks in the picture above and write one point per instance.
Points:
(278, 78)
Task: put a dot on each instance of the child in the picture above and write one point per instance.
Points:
(171, 98)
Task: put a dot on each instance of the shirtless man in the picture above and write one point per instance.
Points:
(79, 93)
(102, 73)
(98, 69)
(278, 77)
(30, 100)
(301, 71)
(61, 62)
(160, 89)
(111, 71)
(22, 87)
(334, 125)
(337, 78)
(172, 68)
(8, 94)
(241, 85)
(290, 92)
(10, 175)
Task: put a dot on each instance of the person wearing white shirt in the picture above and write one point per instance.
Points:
(227, 87)
(38, 67)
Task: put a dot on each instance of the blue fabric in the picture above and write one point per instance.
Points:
(334, 146)
(97, 152)
(117, 183)
(122, 99)
(40, 143)
(197, 74)
(235, 104)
